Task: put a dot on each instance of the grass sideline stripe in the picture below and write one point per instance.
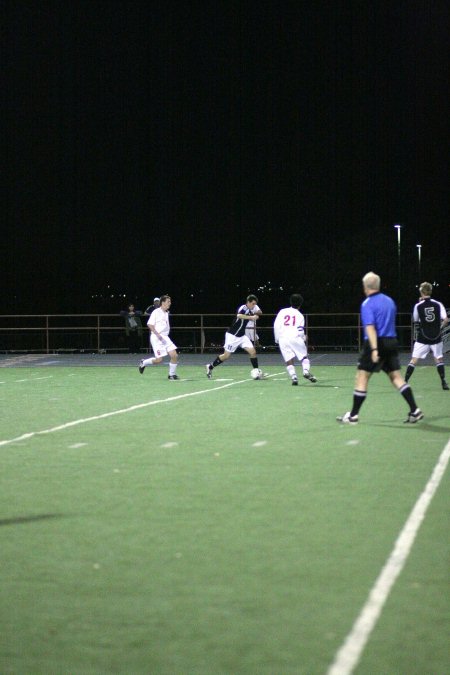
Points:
(122, 411)
(347, 657)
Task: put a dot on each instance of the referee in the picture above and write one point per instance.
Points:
(380, 351)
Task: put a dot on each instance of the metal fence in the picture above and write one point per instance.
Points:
(197, 333)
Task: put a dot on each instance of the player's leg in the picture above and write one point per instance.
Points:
(359, 396)
(246, 344)
(291, 371)
(152, 361)
(173, 363)
(288, 354)
(306, 365)
(229, 347)
(159, 352)
(415, 414)
(438, 356)
(420, 351)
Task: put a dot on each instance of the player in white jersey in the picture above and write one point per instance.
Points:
(162, 345)
(250, 331)
(289, 331)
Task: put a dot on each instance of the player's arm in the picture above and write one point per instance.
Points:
(276, 327)
(155, 332)
(372, 336)
(248, 317)
(444, 317)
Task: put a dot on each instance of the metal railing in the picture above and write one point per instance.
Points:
(50, 333)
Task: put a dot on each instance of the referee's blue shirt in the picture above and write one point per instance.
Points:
(379, 310)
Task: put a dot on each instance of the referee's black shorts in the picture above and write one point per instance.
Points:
(388, 353)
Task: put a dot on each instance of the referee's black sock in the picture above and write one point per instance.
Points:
(409, 371)
(407, 394)
(358, 399)
(441, 370)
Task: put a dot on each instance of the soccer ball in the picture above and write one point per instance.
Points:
(256, 373)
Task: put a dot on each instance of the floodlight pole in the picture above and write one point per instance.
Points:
(419, 256)
(399, 228)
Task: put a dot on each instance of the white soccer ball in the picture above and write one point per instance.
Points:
(256, 373)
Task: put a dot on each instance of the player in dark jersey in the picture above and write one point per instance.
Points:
(380, 351)
(430, 317)
(235, 337)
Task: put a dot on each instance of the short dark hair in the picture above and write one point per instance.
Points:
(252, 298)
(164, 297)
(296, 300)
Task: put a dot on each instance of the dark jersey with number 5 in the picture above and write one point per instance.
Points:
(429, 314)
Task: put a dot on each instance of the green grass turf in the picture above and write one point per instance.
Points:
(163, 540)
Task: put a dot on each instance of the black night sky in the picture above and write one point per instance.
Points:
(206, 149)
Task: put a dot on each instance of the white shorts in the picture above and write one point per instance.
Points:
(420, 351)
(160, 349)
(250, 333)
(232, 343)
(291, 349)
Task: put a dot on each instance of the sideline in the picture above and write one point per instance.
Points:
(347, 657)
(138, 406)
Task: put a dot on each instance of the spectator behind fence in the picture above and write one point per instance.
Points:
(150, 308)
(133, 328)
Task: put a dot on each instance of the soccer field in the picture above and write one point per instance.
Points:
(223, 526)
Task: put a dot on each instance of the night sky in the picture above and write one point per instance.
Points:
(207, 149)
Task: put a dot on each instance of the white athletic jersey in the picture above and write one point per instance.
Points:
(160, 319)
(250, 330)
(289, 323)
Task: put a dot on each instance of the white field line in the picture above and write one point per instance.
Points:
(138, 406)
(347, 657)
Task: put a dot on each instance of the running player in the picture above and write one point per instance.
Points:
(235, 337)
(162, 345)
(289, 331)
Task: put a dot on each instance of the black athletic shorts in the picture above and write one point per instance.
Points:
(388, 353)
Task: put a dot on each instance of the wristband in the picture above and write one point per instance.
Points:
(375, 349)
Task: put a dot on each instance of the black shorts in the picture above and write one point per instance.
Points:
(388, 353)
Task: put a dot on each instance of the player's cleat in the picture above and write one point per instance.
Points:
(348, 419)
(208, 371)
(141, 366)
(414, 417)
(445, 385)
(173, 377)
(309, 377)
(294, 382)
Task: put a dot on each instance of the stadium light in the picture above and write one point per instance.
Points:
(419, 255)
(399, 229)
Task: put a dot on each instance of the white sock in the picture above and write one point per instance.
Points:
(172, 368)
(291, 371)
(306, 365)
(147, 362)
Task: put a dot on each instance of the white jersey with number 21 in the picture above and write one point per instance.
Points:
(289, 324)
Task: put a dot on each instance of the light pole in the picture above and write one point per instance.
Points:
(398, 228)
(419, 256)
